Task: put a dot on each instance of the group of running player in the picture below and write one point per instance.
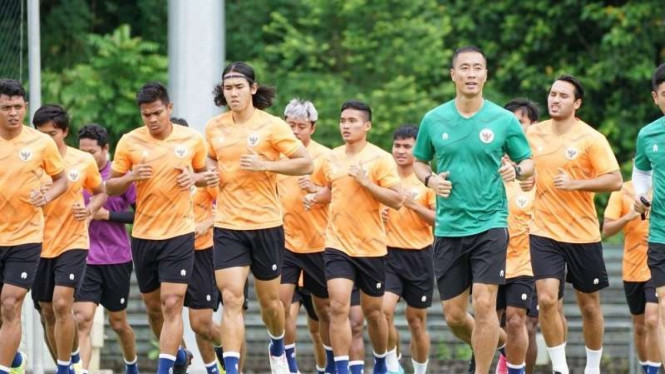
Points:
(348, 232)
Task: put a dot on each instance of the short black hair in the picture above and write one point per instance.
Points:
(465, 49)
(529, 107)
(262, 99)
(96, 132)
(12, 87)
(658, 77)
(358, 105)
(579, 90)
(180, 121)
(51, 113)
(407, 131)
(151, 92)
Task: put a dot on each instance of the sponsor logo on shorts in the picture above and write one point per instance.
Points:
(180, 151)
(122, 300)
(523, 296)
(253, 139)
(24, 275)
(378, 286)
(423, 299)
(71, 277)
(571, 153)
(596, 281)
(502, 273)
(208, 298)
(25, 154)
(486, 136)
(183, 273)
(73, 175)
(274, 267)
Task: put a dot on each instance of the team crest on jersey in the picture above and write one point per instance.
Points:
(73, 175)
(655, 148)
(486, 136)
(571, 153)
(25, 154)
(414, 193)
(180, 151)
(444, 136)
(253, 139)
(521, 201)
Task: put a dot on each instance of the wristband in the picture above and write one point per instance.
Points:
(427, 180)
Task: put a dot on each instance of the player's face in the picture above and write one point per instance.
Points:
(659, 97)
(523, 117)
(403, 151)
(469, 73)
(302, 129)
(238, 93)
(156, 117)
(99, 153)
(353, 125)
(561, 102)
(12, 112)
(54, 132)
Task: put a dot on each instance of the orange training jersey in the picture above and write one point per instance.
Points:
(636, 234)
(405, 229)
(248, 198)
(583, 153)
(520, 219)
(62, 232)
(355, 225)
(24, 160)
(163, 210)
(304, 230)
(204, 201)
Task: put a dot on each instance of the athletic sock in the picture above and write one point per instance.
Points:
(231, 360)
(356, 367)
(502, 350)
(165, 364)
(4, 370)
(558, 358)
(593, 361)
(290, 351)
(644, 365)
(63, 367)
(419, 368)
(392, 364)
(380, 363)
(653, 367)
(18, 360)
(132, 367)
(320, 370)
(211, 367)
(76, 357)
(276, 345)
(515, 369)
(219, 351)
(180, 357)
(342, 364)
(330, 360)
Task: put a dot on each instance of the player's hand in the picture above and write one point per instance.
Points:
(507, 170)
(384, 214)
(359, 173)
(639, 207)
(141, 172)
(185, 179)
(562, 181)
(528, 184)
(253, 162)
(101, 215)
(81, 212)
(38, 199)
(306, 184)
(309, 201)
(211, 177)
(440, 184)
(409, 198)
(632, 215)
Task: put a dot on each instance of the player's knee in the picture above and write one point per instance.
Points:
(119, 324)
(323, 313)
(62, 307)
(374, 314)
(11, 310)
(83, 320)
(172, 304)
(651, 321)
(357, 326)
(233, 301)
(548, 303)
(455, 316)
(339, 308)
(591, 310)
(515, 323)
(484, 307)
(416, 322)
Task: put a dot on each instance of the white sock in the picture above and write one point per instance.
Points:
(211, 364)
(593, 361)
(653, 364)
(419, 368)
(558, 357)
(391, 360)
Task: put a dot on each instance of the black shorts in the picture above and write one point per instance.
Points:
(202, 290)
(638, 294)
(262, 250)
(311, 265)
(245, 303)
(106, 284)
(582, 264)
(355, 297)
(461, 261)
(66, 270)
(159, 261)
(410, 275)
(18, 264)
(517, 292)
(304, 297)
(656, 262)
(533, 306)
(367, 273)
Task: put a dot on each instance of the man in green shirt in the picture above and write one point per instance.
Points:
(650, 158)
(468, 137)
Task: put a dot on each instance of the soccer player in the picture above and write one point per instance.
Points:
(620, 216)
(66, 238)
(26, 154)
(409, 265)
(246, 145)
(109, 263)
(574, 161)
(304, 230)
(648, 160)
(164, 161)
(361, 177)
(469, 136)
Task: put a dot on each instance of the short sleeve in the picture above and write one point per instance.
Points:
(642, 161)
(602, 157)
(199, 158)
(122, 162)
(52, 161)
(516, 145)
(92, 177)
(430, 197)
(614, 206)
(283, 139)
(424, 149)
(384, 172)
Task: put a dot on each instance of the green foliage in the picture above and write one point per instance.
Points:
(103, 90)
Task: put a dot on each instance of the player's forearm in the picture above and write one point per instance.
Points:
(57, 188)
(118, 185)
(385, 196)
(422, 170)
(291, 166)
(323, 195)
(605, 183)
(426, 214)
(612, 227)
(199, 180)
(527, 168)
(96, 201)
